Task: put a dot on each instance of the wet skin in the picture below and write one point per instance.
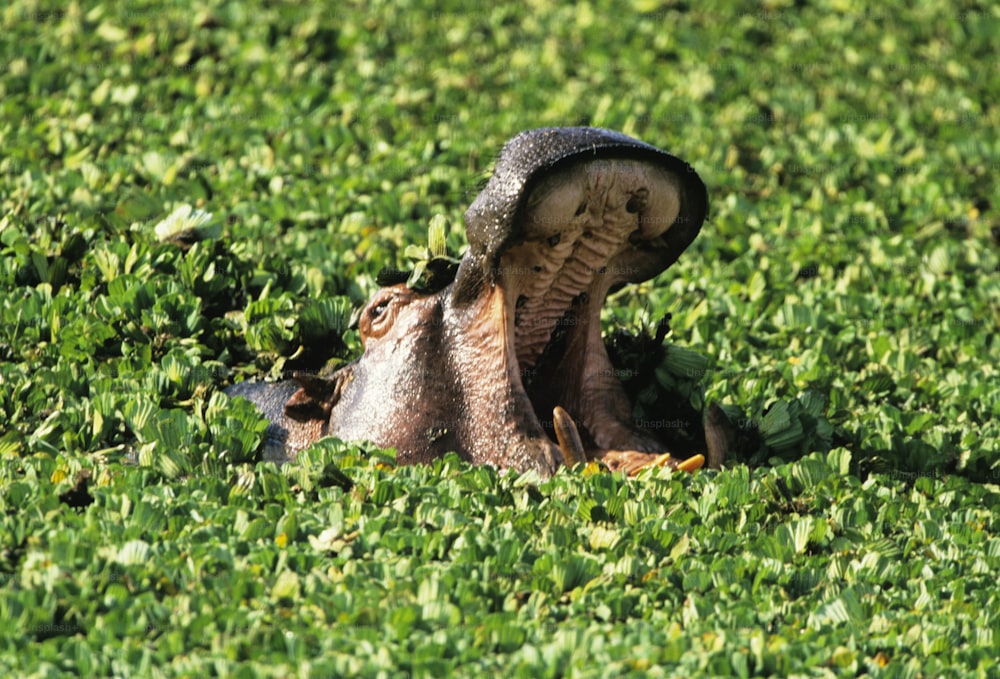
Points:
(506, 365)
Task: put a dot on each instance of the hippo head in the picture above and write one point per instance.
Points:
(506, 364)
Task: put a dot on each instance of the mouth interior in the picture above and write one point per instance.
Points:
(586, 229)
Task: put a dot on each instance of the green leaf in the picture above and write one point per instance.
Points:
(134, 552)
(436, 236)
(286, 588)
(844, 609)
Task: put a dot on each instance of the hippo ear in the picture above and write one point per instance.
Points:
(315, 398)
(531, 197)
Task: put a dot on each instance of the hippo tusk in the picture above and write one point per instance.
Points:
(632, 461)
(568, 436)
(690, 464)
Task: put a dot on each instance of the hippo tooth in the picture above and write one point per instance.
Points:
(573, 451)
(633, 461)
(568, 436)
(692, 463)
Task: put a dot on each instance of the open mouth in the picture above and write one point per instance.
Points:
(586, 229)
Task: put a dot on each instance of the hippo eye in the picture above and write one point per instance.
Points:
(379, 317)
(376, 311)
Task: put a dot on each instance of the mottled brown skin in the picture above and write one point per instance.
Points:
(478, 367)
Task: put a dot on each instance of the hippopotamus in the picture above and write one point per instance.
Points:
(505, 365)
